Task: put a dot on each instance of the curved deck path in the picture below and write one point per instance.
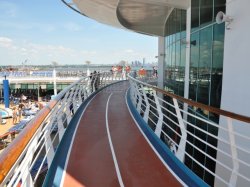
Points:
(109, 150)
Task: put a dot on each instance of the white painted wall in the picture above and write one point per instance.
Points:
(236, 82)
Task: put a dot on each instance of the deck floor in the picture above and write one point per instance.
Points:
(109, 150)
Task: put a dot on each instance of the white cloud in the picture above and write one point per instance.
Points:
(44, 53)
(6, 42)
(15, 51)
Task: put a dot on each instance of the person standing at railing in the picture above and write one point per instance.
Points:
(97, 81)
(142, 72)
(155, 73)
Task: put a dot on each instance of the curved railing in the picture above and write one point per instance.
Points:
(27, 158)
(213, 143)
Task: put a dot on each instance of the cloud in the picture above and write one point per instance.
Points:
(6, 42)
(14, 51)
(44, 53)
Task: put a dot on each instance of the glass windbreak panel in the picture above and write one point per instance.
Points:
(183, 54)
(64, 86)
(178, 24)
(173, 55)
(49, 86)
(217, 66)
(183, 23)
(195, 22)
(171, 23)
(167, 28)
(24, 86)
(59, 86)
(206, 11)
(31, 86)
(178, 54)
(194, 64)
(204, 65)
(177, 65)
(12, 86)
(219, 5)
(182, 68)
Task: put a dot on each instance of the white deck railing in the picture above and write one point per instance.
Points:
(32, 151)
(210, 141)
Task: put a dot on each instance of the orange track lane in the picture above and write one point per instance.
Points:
(91, 163)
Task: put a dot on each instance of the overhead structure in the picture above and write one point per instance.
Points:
(143, 16)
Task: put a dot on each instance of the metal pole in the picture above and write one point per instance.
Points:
(54, 79)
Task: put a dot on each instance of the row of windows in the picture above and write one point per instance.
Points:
(35, 86)
(206, 64)
(205, 83)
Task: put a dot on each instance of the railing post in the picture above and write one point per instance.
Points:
(139, 103)
(60, 126)
(146, 113)
(28, 182)
(180, 154)
(158, 128)
(235, 170)
(49, 147)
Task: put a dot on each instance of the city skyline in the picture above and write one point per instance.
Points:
(47, 31)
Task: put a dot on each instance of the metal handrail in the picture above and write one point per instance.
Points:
(16, 161)
(196, 104)
(171, 119)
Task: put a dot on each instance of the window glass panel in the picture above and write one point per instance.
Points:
(177, 65)
(183, 23)
(178, 24)
(49, 86)
(204, 65)
(59, 86)
(24, 86)
(182, 68)
(194, 62)
(64, 86)
(12, 86)
(195, 22)
(219, 5)
(30, 86)
(206, 11)
(217, 66)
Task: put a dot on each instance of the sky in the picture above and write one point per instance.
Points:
(42, 31)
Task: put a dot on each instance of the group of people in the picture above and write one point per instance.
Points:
(17, 113)
(95, 80)
(17, 110)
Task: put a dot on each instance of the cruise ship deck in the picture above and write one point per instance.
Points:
(108, 148)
